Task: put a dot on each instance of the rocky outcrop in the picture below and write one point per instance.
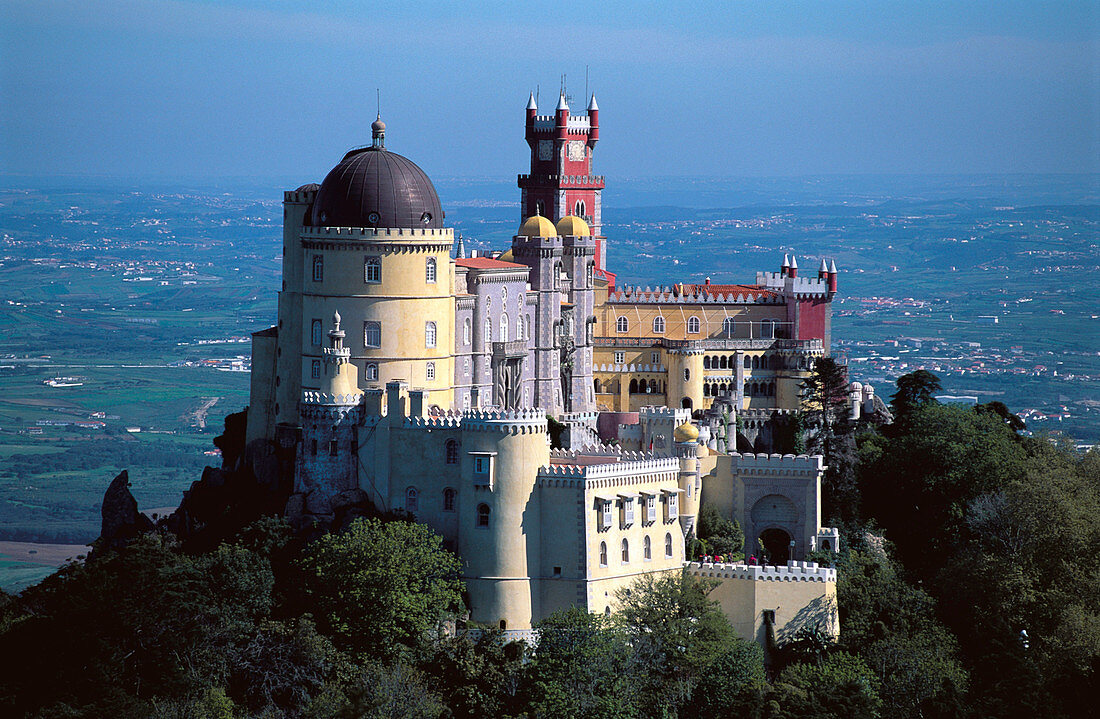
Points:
(121, 519)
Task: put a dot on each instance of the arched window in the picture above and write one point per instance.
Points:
(429, 334)
(466, 331)
(519, 327)
(451, 448)
(488, 331)
(372, 371)
(318, 268)
(653, 386)
(540, 207)
(372, 334)
(756, 361)
(622, 324)
(706, 390)
(723, 363)
(429, 271)
(449, 499)
(578, 209)
(706, 363)
(315, 333)
(557, 275)
(372, 270)
(596, 385)
(748, 362)
(626, 551)
(659, 325)
(693, 325)
(483, 515)
(590, 272)
(603, 554)
(668, 546)
(687, 374)
(412, 500)
(728, 325)
(647, 549)
(633, 386)
(504, 328)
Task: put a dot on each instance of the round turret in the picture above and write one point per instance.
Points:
(687, 432)
(573, 226)
(537, 226)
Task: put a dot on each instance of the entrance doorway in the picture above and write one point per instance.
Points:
(777, 544)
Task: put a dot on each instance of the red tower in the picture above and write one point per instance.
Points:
(561, 182)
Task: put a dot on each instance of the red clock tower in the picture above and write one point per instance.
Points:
(561, 182)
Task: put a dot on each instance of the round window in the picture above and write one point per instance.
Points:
(373, 218)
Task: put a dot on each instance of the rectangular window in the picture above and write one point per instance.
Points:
(620, 358)
(605, 514)
(332, 447)
(628, 511)
(318, 268)
(429, 372)
(650, 508)
(672, 505)
(655, 358)
(315, 333)
(483, 469)
(372, 334)
(372, 270)
(315, 369)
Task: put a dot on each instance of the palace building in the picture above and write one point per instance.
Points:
(404, 373)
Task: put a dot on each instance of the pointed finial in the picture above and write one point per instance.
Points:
(336, 320)
(794, 263)
(562, 104)
(824, 266)
(378, 132)
(531, 104)
(832, 267)
(592, 103)
(786, 261)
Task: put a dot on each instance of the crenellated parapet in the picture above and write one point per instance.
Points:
(433, 422)
(777, 465)
(680, 294)
(641, 469)
(513, 421)
(312, 398)
(329, 412)
(793, 572)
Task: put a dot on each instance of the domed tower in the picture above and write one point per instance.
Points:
(371, 240)
(579, 261)
(538, 246)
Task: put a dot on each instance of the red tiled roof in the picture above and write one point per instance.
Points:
(486, 263)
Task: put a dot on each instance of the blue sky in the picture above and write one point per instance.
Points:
(173, 88)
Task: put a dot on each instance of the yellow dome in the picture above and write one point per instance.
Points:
(687, 432)
(507, 257)
(573, 226)
(537, 226)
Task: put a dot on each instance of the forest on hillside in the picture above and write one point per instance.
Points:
(967, 587)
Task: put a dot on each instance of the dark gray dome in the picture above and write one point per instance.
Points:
(373, 187)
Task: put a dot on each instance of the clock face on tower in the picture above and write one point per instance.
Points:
(546, 150)
(576, 150)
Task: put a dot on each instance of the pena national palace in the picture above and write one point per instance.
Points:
(558, 429)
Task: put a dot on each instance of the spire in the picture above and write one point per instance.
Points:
(378, 132)
(562, 104)
(786, 261)
(824, 269)
(592, 103)
(794, 263)
(531, 104)
(832, 267)
(461, 252)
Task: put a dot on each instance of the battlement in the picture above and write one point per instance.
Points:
(512, 421)
(774, 465)
(314, 397)
(435, 422)
(669, 295)
(675, 414)
(443, 233)
(793, 572)
(641, 468)
(300, 197)
(657, 368)
(813, 286)
(561, 179)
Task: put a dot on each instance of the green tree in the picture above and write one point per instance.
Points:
(477, 678)
(830, 431)
(381, 589)
(841, 685)
(581, 668)
(916, 390)
(732, 685)
(721, 535)
(675, 632)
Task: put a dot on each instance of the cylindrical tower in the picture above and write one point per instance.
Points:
(685, 378)
(686, 448)
(500, 540)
